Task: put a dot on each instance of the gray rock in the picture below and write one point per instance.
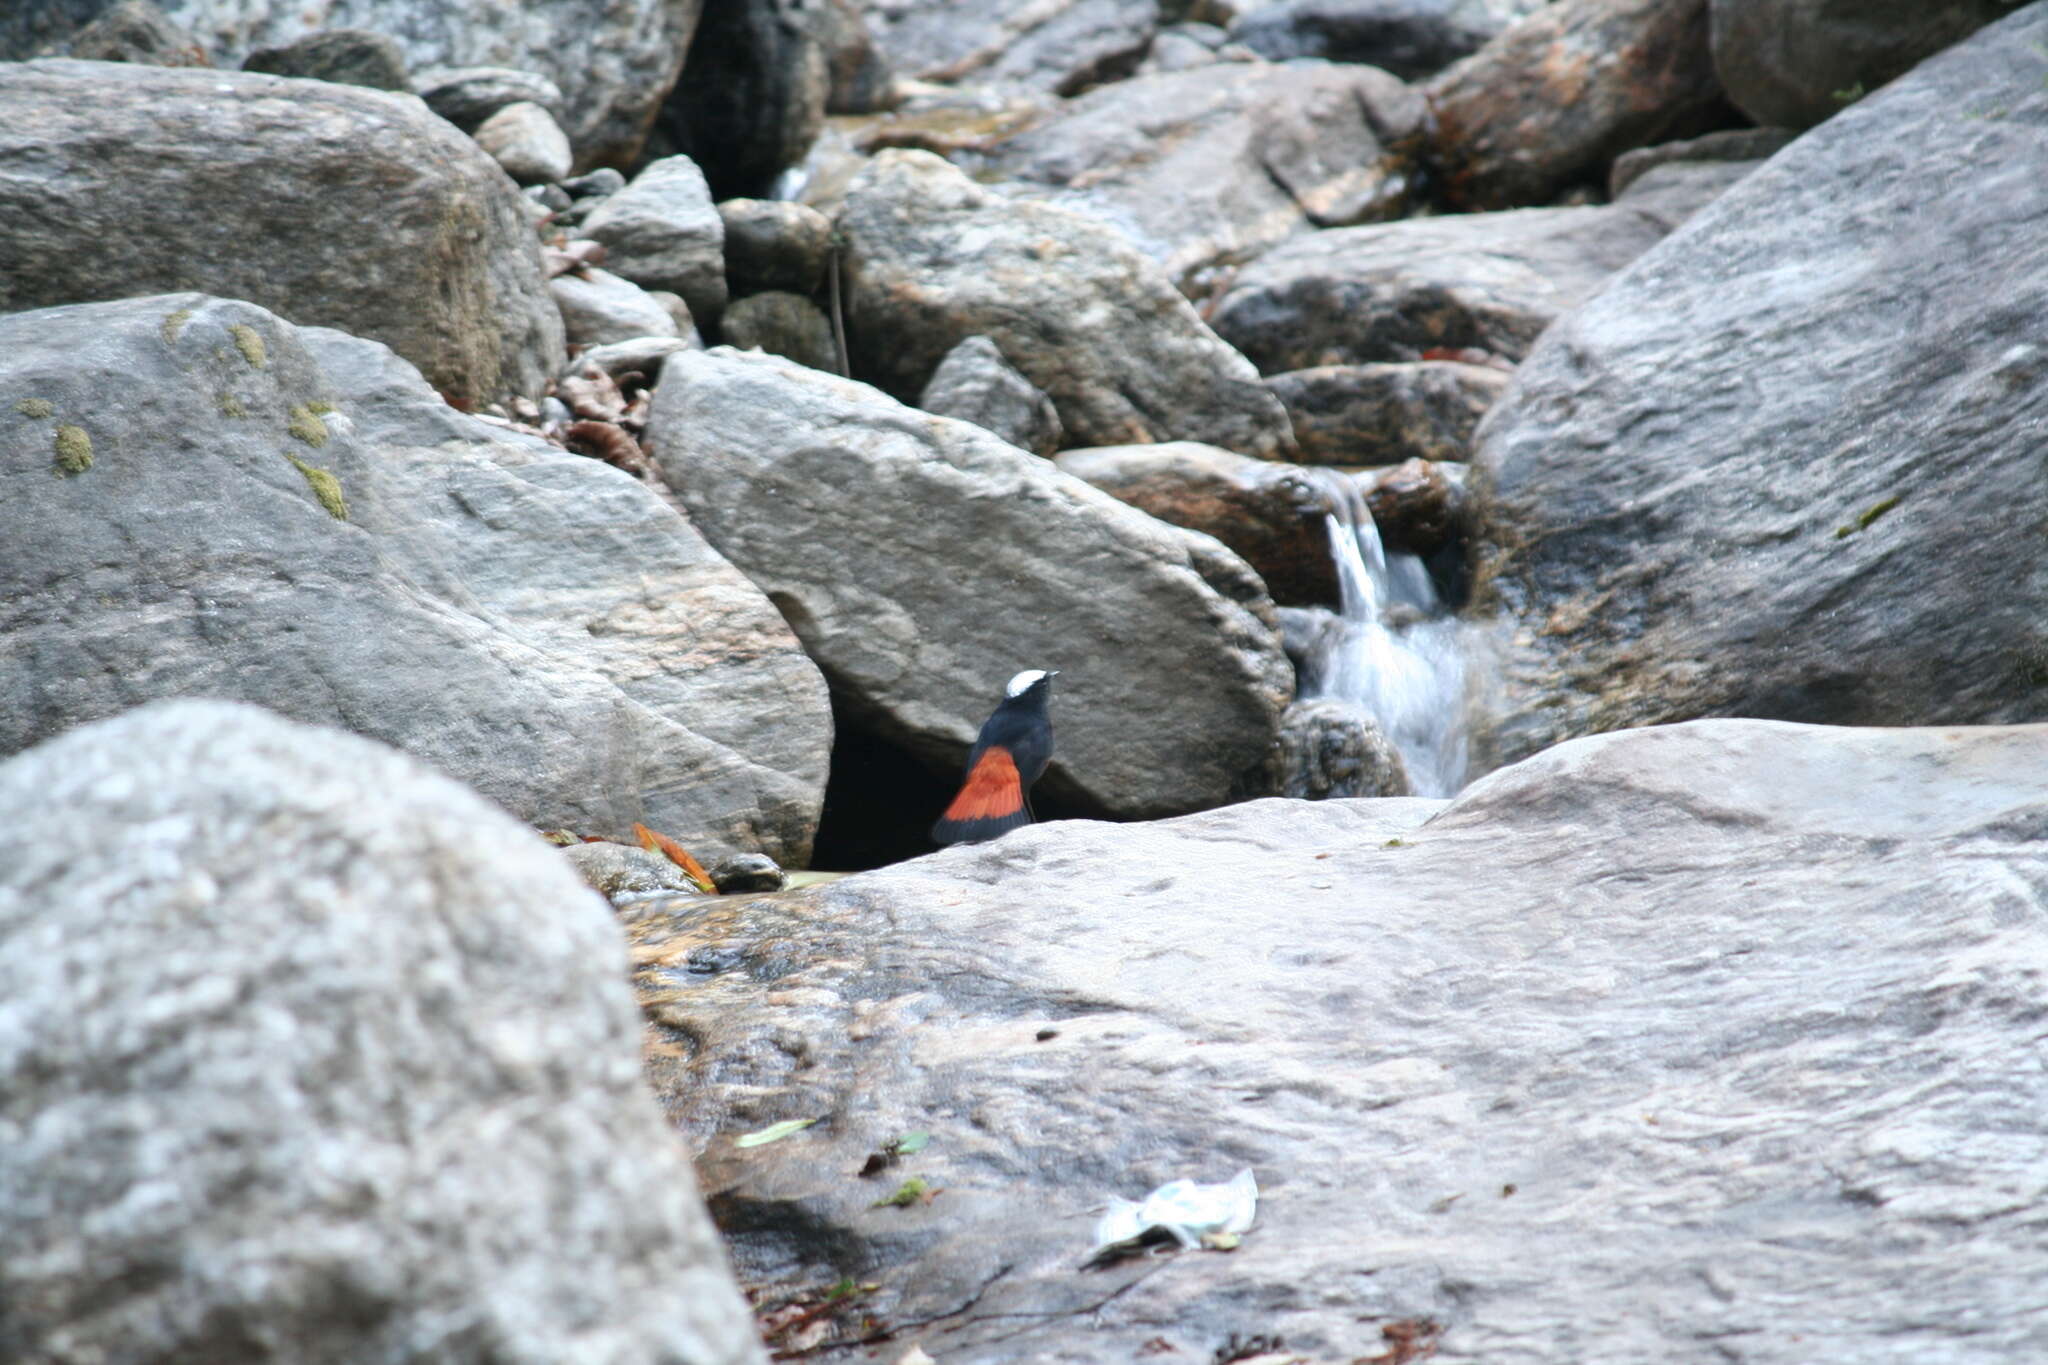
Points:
(1796, 63)
(617, 870)
(679, 314)
(1270, 515)
(310, 1052)
(1384, 414)
(861, 80)
(1640, 1046)
(533, 623)
(1182, 47)
(599, 308)
(933, 258)
(663, 232)
(1410, 38)
(246, 184)
(132, 31)
(782, 324)
(644, 354)
(975, 384)
(752, 96)
(1819, 503)
(525, 140)
(602, 183)
(923, 561)
(1741, 145)
(1064, 48)
(1394, 291)
(774, 244)
(613, 75)
(1676, 190)
(468, 95)
(747, 872)
(345, 56)
(1552, 100)
(1218, 164)
(1331, 749)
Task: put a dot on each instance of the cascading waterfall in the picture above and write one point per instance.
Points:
(1395, 651)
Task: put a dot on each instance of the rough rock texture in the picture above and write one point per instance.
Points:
(526, 141)
(1330, 749)
(1063, 46)
(618, 870)
(1553, 99)
(612, 75)
(468, 95)
(310, 1053)
(1410, 38)
(860, 79)
(934, 258)
(1215, 165)
(599, 309)
(1741, 145)
(247, 185)
(290, 516)
(1789, 463)
(1272, 516)
(663, 232)
(1393, 291)
(1719, 1035)
(923, 561)
(131, 31)
(774, 244)
(975, 384)
(1419, 505)
(782, 324)
(751, 98)
(1797, 62)
(346, 56)
(1383, 414)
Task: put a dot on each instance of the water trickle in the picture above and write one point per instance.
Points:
(1394, 650)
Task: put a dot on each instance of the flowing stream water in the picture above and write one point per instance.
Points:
(1394, 652)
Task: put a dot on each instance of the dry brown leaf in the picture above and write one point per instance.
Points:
(661, 843)
(590, 392)
(604, 441)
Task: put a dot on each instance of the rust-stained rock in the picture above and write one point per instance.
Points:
(1550, 102)
(1418, 505)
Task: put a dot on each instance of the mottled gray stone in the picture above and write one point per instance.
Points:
(1410, 38)
(663, 232)
(132, 31)
(774, 244)
(1384, 414)
(345, 56)
(1065, 46)
(1741, 145)
(975, 384)
(599, 309)
(308, 1052)
(524, 139)
(1789, 463)
(616, 870)
(782, 324)
(247, 186)
(1331, 749)
(468, 95)
(290, 516)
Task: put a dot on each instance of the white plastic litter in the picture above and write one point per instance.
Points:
(1187, 1210)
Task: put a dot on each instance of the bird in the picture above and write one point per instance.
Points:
(1011, 751)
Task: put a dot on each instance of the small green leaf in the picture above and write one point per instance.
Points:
(774, 1132)
(910, 1142)
(908, 1193)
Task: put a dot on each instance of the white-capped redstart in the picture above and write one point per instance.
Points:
(1012, 750)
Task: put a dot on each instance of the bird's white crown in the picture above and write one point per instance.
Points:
(1024, 682)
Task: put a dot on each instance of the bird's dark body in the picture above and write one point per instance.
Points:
(1009, 755)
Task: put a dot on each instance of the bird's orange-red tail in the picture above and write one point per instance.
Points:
(990, 802)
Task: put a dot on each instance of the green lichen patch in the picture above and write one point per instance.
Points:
(174, 323)
(74, 450)
(230, 406)
(319, 409)
(1869, 515)
(307, 426)
(325, 487)
(249, 342)
(34, 407)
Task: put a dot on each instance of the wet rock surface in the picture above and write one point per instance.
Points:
(1558, 1069)
(923, 561)
(1384, 414)
(290, 516)
(308, 1044)
(1736, 507)
(933, 258)
(1331, 749)
(1218, 164)
(172, 174)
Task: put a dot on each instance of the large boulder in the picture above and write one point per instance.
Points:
(933, 258)
(1795, 63)
(1064, 47)
(1217, 164)
(1410, 38)
(1552, 100)
(307, 1052)
(329, 204)
(290, 516)
(1401, 291)
(1715, 1033)
(612, 75)
(923, 561)
(1789, 463)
